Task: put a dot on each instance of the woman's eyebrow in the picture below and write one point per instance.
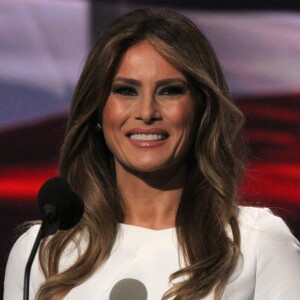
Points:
(164, 81)
(127, 80)
(171, 80)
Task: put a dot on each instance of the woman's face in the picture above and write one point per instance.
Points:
(149, 115)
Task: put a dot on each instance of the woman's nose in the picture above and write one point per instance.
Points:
(147, 109)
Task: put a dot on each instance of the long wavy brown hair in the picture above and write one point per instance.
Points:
(207, 210)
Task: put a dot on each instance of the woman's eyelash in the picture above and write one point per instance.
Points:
(124, 90)
(164, 91)
(173, 90)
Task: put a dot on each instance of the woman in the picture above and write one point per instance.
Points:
(154, 148)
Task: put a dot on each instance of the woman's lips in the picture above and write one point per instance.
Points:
(153, 137)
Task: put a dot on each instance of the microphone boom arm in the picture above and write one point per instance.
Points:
(33, 252)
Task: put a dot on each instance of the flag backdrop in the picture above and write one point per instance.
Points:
(43, 45)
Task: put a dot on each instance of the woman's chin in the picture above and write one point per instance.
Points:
(152, 167)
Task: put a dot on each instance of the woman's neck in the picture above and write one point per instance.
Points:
(151, 199)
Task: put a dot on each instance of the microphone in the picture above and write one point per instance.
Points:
(61, 208)
(128, 288)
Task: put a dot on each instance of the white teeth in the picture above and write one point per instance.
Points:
(147, 137)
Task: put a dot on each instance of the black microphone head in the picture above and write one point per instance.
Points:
(67, 206)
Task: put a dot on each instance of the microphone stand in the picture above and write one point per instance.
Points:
(49, 226)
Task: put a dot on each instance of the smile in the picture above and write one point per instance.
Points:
(147, 137)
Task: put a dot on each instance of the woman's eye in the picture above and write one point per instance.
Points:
(124, 90)
(173, 91)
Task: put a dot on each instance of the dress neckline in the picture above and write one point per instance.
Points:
(128, 227)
